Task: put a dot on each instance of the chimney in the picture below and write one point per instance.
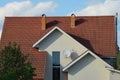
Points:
(43, 22)
(72, 20)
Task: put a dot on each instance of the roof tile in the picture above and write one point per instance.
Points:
(97, 33)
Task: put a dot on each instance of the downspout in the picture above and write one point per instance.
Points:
(117, 49)
(116, 23)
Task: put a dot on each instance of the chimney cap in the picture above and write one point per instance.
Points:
(72, 14)
(43, 15)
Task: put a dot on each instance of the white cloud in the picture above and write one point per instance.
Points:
(26, 8)
(109, 7)
(41, 8)
(93, 2)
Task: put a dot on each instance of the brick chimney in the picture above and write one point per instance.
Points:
(43, 22)
(72, 20)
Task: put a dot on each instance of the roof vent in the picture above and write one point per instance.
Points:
(72, 20)
(43, 22)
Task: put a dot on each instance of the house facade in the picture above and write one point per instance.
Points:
(66, 48)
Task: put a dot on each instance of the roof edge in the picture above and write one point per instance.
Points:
(81, 56)
(113, 70)
(60, 16)
(35, 44)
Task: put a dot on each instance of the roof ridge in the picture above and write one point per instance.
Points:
(58, 16)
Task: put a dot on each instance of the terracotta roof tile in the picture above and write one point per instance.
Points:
(97, 33)
(38, 60)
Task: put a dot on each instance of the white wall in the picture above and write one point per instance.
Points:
(58, 41)
(88, 68)
(114, 76)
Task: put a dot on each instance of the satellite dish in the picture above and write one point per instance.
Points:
(66, 53)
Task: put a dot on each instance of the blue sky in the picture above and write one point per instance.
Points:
(59, 8)
(63, 6)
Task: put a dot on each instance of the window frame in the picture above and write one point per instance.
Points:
(56, 67)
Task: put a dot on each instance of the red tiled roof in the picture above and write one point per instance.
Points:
(38, 61)
(97, 33)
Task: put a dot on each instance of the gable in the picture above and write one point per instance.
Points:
(90, 56)
(80, 64)
(48, 39)
(88, 68)
(56, 37)
(52, 35)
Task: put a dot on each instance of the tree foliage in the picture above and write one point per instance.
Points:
(14, 64)
(118, 60)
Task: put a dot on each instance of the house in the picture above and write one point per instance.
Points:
(66, 48)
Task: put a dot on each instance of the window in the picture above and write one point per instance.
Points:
(56, 65)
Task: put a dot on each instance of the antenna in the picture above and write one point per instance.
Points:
(66, 53)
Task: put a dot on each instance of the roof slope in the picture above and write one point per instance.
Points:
(38, 61)
(97, 33)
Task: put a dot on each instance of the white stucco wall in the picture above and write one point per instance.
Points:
(88, 68)
(58, 41)
(114, 76)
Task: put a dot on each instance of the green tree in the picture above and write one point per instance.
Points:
(14, 64)
(118, 60)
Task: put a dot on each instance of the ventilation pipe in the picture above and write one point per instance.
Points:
(72, 20)
(43, 21)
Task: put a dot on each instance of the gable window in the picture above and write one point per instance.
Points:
(56, 65)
